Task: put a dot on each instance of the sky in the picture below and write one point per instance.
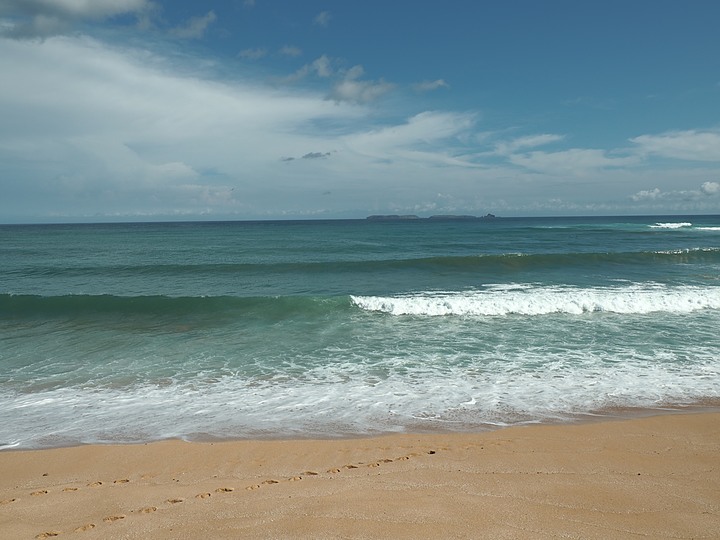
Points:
(142, 110)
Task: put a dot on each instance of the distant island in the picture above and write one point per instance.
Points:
(444, 217)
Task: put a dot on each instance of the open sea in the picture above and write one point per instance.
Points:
(123, 333)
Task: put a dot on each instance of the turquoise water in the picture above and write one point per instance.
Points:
(138, 332)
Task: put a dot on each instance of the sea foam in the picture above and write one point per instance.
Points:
(529, 300)
(671, 225)
(347, 398)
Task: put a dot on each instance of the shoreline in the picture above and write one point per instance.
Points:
(655, 475)
(614, 414)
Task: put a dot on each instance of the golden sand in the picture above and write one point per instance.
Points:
(649, 478)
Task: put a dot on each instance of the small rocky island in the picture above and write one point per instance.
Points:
(440, 217)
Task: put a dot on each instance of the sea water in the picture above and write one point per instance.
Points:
(138, 332)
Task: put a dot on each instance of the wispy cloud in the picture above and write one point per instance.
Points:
(45, 18)
(130, 134)
(253, 54)
(428, 86)
(505, 148)
(290, 50)
(347, 85)
(575, 161)
(322, 18)
(127, 131)
(354, 90)
(320, 67)
(707, 189)
(309, 155)
(692, 145)
(425, 137)
(196, 27)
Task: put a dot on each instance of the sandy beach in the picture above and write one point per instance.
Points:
(655, 477)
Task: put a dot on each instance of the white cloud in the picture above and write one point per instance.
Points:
(710, 188)
(290, 50)
(352, 90)
(573, 161)
(691, 145)
(88, 128)
(705, 190)
(80, 118)
(253, 54)
(359, 91)
(347, 85)
(45, 18)
(644, 195)
(427, 86)
(425, 137)
(505, 148)
(322, 18)
(80, 9)
(196, 27)
(321, 67)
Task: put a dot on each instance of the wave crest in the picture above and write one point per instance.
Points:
(679, 225)
(531, 300)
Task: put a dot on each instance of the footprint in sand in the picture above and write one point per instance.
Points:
(294, 478)
(111, 519)
(175, 501)
(253, 487)
(39, 492)
(224, 490)
(202, 495)
(121, 481)
(270, 482)
(95, 484)
(48, 534)
(70, 489)
(148, 510)
(8, 501)
(333, 471)
(310, 473)
(349, 466)
(84, 528)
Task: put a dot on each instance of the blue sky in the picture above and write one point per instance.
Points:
(265, 109)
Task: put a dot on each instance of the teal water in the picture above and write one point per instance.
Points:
(138, 332)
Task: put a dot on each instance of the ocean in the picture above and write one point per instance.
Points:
(128, 333)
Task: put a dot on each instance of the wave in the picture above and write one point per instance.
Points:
(33, 306)
(347, 398)
(527, 299)
(679, 225)
(489, 262)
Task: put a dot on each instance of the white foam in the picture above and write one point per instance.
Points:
(708, 228)
(537, 300)
(679, 225)
(689, 250)
(349, 398)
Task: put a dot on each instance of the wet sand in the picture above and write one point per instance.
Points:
(656, 477)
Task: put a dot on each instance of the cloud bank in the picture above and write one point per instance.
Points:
(44, 18)
(94, 129)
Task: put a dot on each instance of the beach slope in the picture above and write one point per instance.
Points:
(656, 477)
